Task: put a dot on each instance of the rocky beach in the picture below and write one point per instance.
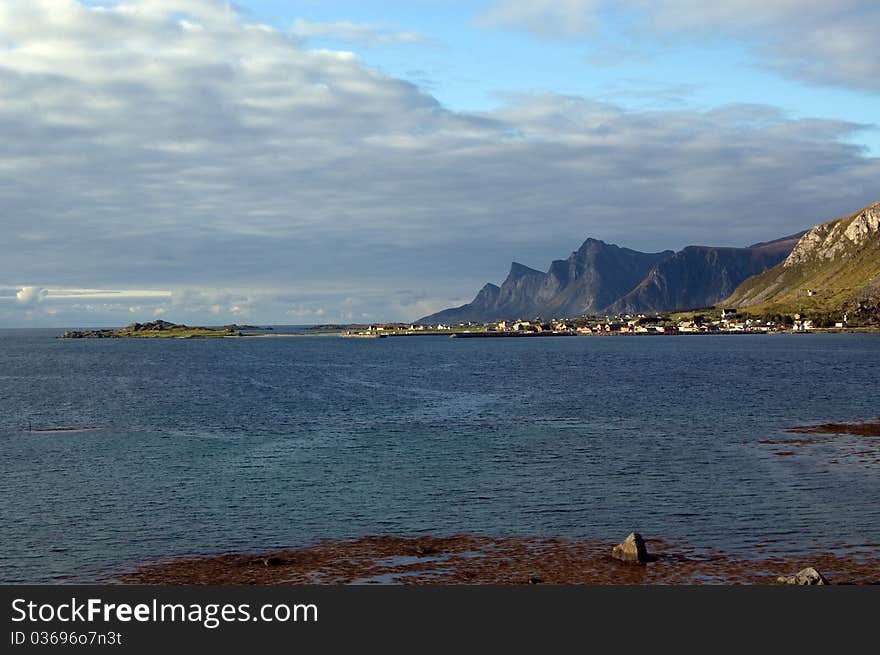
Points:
(481, 560)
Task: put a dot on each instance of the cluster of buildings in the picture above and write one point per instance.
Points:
(635, 325)
(640, 324)
(723, 321)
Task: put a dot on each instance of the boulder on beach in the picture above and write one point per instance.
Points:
(631, 550)
(807, 576)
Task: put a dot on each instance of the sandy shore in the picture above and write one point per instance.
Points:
(471, 559)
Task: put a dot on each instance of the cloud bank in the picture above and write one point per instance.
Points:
(812, 40)
(173, 145)
(30, 295)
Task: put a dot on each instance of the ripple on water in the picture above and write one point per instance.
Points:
(268, 443)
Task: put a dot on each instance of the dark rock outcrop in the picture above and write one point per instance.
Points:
(151, 329)
(128, 330)
(151, 325)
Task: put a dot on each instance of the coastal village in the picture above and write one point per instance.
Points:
(728, 321)
(724, 321)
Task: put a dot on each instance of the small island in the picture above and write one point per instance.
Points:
(154, 330)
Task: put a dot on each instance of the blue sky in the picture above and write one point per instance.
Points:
(471, 65)
(301, 162)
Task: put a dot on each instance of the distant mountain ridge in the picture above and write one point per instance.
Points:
(700, 276)
(835, 266)
(601, 278)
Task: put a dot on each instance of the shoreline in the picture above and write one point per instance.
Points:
(213, 333)
(458, 334)
(478, 560)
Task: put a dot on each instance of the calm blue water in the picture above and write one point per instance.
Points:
(211, 446)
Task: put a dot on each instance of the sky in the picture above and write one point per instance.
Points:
(305, 162)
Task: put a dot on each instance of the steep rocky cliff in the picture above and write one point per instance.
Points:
(590, 279)
(602, 278)
(700, 276)
(834, 267)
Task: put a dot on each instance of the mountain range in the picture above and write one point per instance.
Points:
(831, 268)
(601, 278)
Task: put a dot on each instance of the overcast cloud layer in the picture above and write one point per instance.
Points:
(829, 42)
(166, 158)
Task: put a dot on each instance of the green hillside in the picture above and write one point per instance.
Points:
(835, 267)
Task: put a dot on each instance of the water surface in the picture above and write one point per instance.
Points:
(209, 446)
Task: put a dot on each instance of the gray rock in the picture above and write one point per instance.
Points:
(632, 550)
(808, 576)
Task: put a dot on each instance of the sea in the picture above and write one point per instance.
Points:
(230, 445)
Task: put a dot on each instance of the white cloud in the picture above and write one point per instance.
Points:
(233, 168)
(360, 33)
(814, 40)
(30, 295)
(105, 294)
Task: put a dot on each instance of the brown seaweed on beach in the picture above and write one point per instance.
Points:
(471, 559)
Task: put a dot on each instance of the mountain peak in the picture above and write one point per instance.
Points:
(590, 242)
(518, 270)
